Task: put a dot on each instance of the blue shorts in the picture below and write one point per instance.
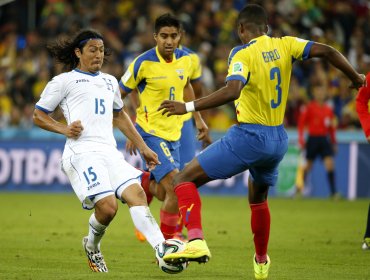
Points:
(188, 143)
(168, 154)
(255, 147)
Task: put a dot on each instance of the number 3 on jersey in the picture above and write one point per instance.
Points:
(275, 74)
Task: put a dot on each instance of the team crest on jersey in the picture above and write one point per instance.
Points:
(180, 72)
(237, 67)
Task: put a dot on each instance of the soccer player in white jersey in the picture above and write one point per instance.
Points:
(258, 82)
(91, 102)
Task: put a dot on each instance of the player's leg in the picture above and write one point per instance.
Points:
(133, 195)
(126, 184)
(366, 244)
(265, 155)
(330, 172)
(216, 162)
(260, 217)
(105, 210)
(312, 152)
(146, 181)
(90, 181)
(189, 204)
(299, 179)
(327, 155)
(168, 155)
(187, 153)
(169, 212)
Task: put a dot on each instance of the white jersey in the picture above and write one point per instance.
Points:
(90, 98)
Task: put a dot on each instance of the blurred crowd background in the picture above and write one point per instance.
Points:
(26, 26)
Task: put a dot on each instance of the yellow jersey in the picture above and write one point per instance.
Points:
(195, 72)
(157, 80)
(264, 65)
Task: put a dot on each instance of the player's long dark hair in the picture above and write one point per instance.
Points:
(166, 20)
(63, 50)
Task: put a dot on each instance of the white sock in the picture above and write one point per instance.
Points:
(96, 232)
(146, 224)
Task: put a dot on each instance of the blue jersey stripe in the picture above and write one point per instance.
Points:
(87, 73)
(239, 48)
(237, 77)
(149, 55)
(186, 49)
(180, 53)
(122, 86)
(197, 79)
(306, 51)
(141, 86)
(43, 109)
(117, 110)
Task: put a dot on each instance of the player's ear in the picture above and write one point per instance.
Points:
(155, 36)
(266, 28)
(78, 52)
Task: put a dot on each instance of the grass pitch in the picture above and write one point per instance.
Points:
(40, 238)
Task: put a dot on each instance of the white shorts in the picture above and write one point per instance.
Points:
(95, 175)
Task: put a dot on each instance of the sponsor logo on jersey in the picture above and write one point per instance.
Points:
(93, 185)
(159, 78)
(82, 81)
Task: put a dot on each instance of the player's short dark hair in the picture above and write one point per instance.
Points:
(166, 20)
(63, 50)
(253, 13)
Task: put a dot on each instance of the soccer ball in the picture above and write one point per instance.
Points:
(167, 247)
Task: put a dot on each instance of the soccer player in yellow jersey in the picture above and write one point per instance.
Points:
(187, 139)
(258, 81)
(163, 73)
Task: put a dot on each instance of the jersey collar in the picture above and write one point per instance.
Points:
(262, 37)
(87, 73)
(161, 59)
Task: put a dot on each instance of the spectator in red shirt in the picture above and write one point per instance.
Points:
(320, 120)
(362, 108)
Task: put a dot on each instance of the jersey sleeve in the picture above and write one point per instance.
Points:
(117, 101)
(238, 69)
(196, 68)
(130, 79)
(51, 96)
(299, 48)
(362, 106)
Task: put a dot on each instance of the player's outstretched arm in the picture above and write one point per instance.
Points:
(228, 93)
(339, 61)
(123, 122)
(44, 121)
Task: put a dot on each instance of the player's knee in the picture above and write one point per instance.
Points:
(178, 179)
(106, 213)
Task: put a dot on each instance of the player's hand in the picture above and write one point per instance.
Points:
(151, 158)
(359, 82)
(74, 130)
(206, 141)
(172, 108)
(202, 128)
(130, 147)
(368, 139)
